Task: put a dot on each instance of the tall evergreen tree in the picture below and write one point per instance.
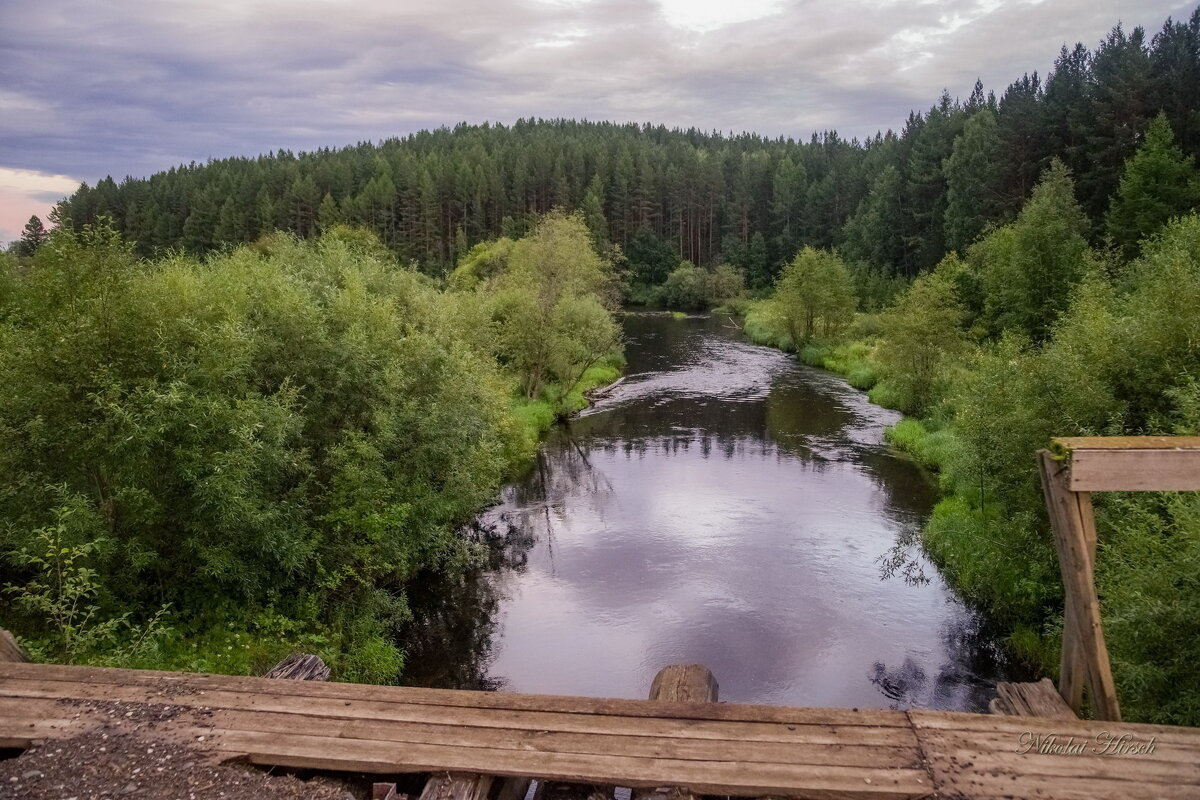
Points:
(974, 197)
(1159, 183)
(33, 236)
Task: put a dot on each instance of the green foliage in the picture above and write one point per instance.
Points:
(552, 306)
(974, 198)
(688, 286)
(814, 296)
(1029, 268)
(931, 448)
(726, 282)
(651, 257)
(33, 237)
(922, 340)
(65, 593)
(1158, 183)
(298, 429)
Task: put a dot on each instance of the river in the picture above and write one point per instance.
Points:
(727, 506)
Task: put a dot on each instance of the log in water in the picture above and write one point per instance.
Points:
(724, 506)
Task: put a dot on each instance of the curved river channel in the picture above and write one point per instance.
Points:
(726, 506)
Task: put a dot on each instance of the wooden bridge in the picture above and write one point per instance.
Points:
(680, 742)
(696, 747)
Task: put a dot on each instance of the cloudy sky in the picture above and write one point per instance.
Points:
(130, 87)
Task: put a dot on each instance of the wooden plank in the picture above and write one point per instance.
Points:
(1072, 443)
(686, 683)
(1074, 542)
(991, 723)
(969, 763)
(179, 682)
(1134, 470)
(1038, 699)
(530, 740)
(723, 777)
(669, 727)
(702, 777)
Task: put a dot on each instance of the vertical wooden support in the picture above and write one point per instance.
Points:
(9, 649)
(684, 683)
(1084, 652)
(457, 786)
(679, 683)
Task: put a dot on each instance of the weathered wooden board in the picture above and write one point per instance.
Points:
(975, 761)
(1036, 699)
(384, 730)
(1132, 463)
(1135, 470)
(1083, 635)
(167, 683)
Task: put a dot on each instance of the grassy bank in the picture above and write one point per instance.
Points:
(962, 536)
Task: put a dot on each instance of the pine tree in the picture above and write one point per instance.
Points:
(1159, 183)
(973, 196)
(32, 237)
(1048, 253)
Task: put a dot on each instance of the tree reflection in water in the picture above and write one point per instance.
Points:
(449, 641)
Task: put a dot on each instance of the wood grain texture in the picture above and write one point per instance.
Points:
(1135, 470)
(1072, 443)
(1036, 699)
(381, 730)
(300, 667)
(1075, 540)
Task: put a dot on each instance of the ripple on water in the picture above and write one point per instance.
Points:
(726, 506)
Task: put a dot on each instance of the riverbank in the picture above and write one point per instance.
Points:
(932, 443)
(724, 505)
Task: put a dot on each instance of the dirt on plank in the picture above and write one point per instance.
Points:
(129, 753)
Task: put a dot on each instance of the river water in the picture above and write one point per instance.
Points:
(726, 506)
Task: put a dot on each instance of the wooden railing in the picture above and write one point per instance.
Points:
(1071, 471)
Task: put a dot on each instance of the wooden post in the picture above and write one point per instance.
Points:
(9, 649)
(1084, 651)
(300, 667)
(679, 683)
(684, 683)
(457, 786)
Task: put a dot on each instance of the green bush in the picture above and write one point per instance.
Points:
(287, 431)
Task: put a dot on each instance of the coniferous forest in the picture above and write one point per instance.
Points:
(896, 202)
(1005, 268)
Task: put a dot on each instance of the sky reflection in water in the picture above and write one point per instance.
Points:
(725, 506)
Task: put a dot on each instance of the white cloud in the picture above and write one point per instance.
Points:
(129, 88)
(708, 15)
(31, 182)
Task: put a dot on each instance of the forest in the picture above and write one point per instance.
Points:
(1003, 269)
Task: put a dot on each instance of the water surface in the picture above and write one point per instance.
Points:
(725, 506)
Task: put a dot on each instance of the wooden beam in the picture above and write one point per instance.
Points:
(1037, 699)
(684, 683)
(1075, 537)
(1132, 463)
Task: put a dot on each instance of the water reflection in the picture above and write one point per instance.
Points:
(724, 506)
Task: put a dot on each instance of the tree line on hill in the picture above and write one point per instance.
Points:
(893, 203)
